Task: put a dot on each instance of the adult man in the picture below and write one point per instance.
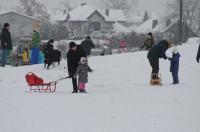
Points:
(87, 45)
(73, 57)
(198, 54)
(6, 43)
(158, 51)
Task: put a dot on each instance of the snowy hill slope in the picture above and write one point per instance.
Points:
(119, 97)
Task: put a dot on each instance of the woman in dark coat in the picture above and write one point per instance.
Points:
(158, 51)
(73, 57)
(6, 43)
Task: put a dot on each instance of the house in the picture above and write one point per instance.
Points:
(20, 25)
(168, 28)
(85, 19)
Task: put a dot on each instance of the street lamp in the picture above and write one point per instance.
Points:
(181, 23)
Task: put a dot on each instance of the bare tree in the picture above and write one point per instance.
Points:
(33, 8)
(146, 16)
(64, 6)
(190, 12)
(127, 6)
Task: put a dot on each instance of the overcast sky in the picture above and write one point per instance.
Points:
(156, 6)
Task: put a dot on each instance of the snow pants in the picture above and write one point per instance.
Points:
(155, 65)
(34, 56)
(175, 77)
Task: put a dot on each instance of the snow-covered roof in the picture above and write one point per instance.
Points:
(57, 15)
(6, 12)
(115, 15)
(145, 27)
(117, 27)
(160, 27)
(82, 12)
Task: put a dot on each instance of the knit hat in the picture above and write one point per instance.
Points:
(72, 44)
(174, 50)
(6, 25)
(83, 60)
(150, 34)
(51, 40)
(88, 37)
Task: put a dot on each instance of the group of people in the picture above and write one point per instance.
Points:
(157, 52)
(77, 56)
(6, 46)
(77, 63)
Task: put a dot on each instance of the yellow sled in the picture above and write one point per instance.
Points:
(156, 81)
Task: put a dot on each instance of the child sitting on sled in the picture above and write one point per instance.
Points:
(174, 67)
(82, 73)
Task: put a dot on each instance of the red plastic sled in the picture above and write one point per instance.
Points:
(37, 84)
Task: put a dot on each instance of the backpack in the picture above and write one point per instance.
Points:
(32, 79)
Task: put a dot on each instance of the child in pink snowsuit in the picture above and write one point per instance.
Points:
(122, 46)
(82, 73)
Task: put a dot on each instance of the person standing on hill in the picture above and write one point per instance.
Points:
(149, 42)
(174, 68)
(198, 54)
(6, 43)
(73, 57)
(35, 47)
(157, 52)
(82, 73)
(87, 45)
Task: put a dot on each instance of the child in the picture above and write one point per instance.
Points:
(175, 65)
(82, 73)
(24, 54)
(122, 46)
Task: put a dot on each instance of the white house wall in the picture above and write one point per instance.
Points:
(19, 25)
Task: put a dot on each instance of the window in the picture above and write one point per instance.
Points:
(96, 26)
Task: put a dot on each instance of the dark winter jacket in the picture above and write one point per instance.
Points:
(82, 73)
(47, 48)
(148, 44)
(73, 58)
(6, 42)
(198, 54)
(87, 45)
(158, 51)
(174, 67)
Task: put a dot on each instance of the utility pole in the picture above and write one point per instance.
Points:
(181, 23)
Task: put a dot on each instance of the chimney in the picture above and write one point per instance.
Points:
(83, 4)
(107, 12)
(155, 23)
(168, 22)
(64, 11)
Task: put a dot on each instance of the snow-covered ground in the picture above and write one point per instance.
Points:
(119, 97)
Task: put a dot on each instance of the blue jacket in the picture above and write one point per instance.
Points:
(174, 63)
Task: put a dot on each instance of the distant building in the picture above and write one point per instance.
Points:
(168, 28)
(86, 19)
(20, 25)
